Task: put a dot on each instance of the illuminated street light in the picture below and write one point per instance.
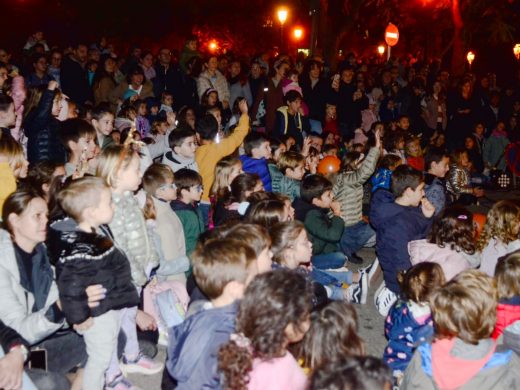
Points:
(282, 14)
(470, 57)
(381, 50)
(516, 51)
(298, 33)
(213, 46)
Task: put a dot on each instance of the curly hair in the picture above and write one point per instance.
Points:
(502, 223)
(454, 229)
(332, 336)
(273, 301)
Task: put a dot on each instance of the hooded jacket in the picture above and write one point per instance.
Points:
(451, 261)
(177, 162)
(83, 259)
(324, 232)
(258, 166)
(193, 347)
(463, 366)
(282, 184)
(192, 223)
(395, 226)
(508, 312)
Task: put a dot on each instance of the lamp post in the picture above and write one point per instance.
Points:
(470, 57)
(282, 14)
(516, 51)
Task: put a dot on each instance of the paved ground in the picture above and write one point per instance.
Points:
(370, 322)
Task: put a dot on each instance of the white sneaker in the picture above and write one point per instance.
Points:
(384, 300)
(357, 292)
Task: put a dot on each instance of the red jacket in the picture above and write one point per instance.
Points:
(507, 313)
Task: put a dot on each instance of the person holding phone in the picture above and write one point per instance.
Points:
(29, 302)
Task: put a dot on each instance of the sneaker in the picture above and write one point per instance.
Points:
(370, 270)
(355, 259)
(121, 383)
(385, 300)
(163, 338)
(357, 292)
(141, 365)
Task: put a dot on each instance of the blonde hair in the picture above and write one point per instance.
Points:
(34, 96)
(507, 276)
(156, 176)
(81, 194)
(466, 307)
(13, 151)
(223, 169)
(291, 160)
(112, 159)
(502, 223)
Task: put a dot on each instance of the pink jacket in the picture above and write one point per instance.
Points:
(452, 262)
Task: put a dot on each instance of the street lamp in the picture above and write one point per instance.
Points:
(470, 57)
(298, 33)
(516, 51)
(381, 50)
(282, 14)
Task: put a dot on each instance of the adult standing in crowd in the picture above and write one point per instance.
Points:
(74, 78)
(214, 79)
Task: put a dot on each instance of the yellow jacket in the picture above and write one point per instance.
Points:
(207, 156)
(8, 183)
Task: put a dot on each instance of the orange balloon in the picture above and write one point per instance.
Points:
(329, 164)
(479, 220)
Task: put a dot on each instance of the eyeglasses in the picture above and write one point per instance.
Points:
(165, 187)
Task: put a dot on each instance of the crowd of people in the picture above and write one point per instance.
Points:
(217, 205)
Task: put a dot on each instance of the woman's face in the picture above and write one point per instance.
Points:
(212, 99)
(110, 66)
(314, 73)
(234, 69)
(31, 225)
(148, 61)
(212, 64)
(469, 143)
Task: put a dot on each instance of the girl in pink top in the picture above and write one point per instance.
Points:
(274, 313)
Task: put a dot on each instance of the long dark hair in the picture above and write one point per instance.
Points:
(271, 302)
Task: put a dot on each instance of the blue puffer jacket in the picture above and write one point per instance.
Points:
(258, 166)
(193, 347)
(42, 131)
(395, 227)
(404, 335)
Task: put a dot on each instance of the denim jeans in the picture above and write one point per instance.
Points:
(204, 208)
(27, 384)
(356, 237)
(331, 278)
(329, 260)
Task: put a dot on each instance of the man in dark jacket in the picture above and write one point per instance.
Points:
(397, 219)
(74, 80)
(168, 77)
(350, 103)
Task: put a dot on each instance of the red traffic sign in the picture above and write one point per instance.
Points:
(391, 35)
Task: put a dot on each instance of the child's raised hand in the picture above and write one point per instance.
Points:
(242, 106)
(84, 325)
(306, 146)
(427, 208)
(53, 84)
(378, 138)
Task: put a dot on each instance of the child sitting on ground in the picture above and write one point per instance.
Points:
(398, 219)
(183, 145)
(222, 269)
(273, 314)
(348, 190)
(500, 234)
(409, 322)
(257, 152)
(103, 122)
(189, 191)
(87, 256)
(451, 243)
(463, 355)
(436, 164)
(507, 277)
(458, 180)
(286, 179)
(414, 153)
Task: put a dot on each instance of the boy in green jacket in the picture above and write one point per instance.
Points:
(189, 192)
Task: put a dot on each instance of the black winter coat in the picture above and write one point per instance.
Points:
(42, 131)
(83, 259)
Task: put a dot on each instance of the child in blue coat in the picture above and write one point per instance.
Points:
(409, 322)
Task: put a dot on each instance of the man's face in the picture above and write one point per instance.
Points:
(40, 65)
(441, 168)
(317, 143)
(81, 53)
(347, 76)
(3, 76)
(4, 56)
(256, 71)
(165, 56)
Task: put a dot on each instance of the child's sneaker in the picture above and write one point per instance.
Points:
(121, 383)
(370, 270)
(141, 365)
(357, 292)
(384, 300)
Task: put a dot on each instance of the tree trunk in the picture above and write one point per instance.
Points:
(458, 57)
